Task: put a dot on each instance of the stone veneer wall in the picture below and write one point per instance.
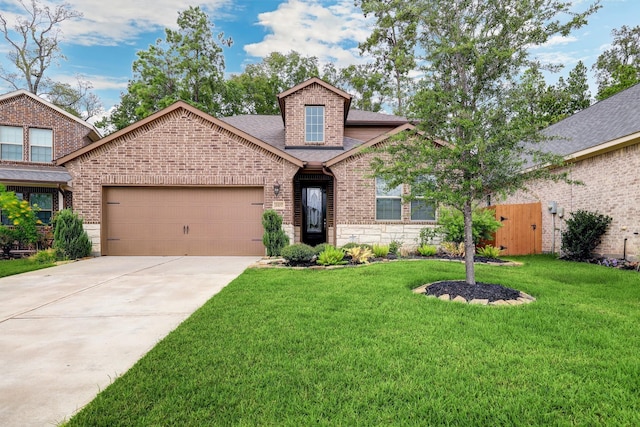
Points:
(611, 187)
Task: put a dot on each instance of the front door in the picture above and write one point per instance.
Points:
(314, 215)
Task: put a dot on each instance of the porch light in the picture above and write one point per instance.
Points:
(276, 188)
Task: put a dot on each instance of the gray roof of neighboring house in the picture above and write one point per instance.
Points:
(270, 129)
(36, 174)
(604, 121)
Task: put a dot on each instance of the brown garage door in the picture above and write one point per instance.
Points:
(182, 221)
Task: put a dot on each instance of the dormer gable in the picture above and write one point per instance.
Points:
(314, 114)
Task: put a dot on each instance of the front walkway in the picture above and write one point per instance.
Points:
(67, 332)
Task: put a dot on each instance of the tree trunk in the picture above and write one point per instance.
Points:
(469, 246)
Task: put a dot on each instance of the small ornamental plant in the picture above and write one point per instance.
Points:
(70, 240)
(274, 238)
(331, 256)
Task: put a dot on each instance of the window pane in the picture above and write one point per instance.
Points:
(40, 154)
(388, 209)
(381, 189)
(11, 152)
(314, 123)
(422, 211)
(41, 137)
(11, 134)
(45, 204)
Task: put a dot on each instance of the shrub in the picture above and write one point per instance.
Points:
(452, 225)
(274, 237)
(427, 250)
(22, 217)
(331, 256)
(394, 247)
(298, 253)
(350, 245)
(380, 251)
(69, 238)
(583, 233)
(453, 248)
(427, 234)
(489, 251)
(47, 256)
(321, 248)
(360, 254)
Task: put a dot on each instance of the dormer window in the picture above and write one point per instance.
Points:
(314, 124)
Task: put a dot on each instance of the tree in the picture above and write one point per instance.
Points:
(188, 65)
(78, 100)
(618, 68)
(393, 41)
(471, 142)
(369, 86)
(255, 90)
(34, 43)
(69, 237)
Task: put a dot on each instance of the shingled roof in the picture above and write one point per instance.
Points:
(608, 120)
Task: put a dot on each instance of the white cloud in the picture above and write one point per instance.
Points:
(330, 33)
(115, 22)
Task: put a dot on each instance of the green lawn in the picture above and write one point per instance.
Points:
(17, 266)
(355, 347)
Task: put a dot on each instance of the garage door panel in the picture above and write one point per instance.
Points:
(183, 221)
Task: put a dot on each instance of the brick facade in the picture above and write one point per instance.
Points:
(314, 94)
(25, 112)
(179, 148)
(611, 183)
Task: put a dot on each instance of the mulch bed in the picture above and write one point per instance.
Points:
(480, 290)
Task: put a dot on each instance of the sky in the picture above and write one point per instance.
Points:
(101, 46)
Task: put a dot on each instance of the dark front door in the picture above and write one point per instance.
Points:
(314, 215)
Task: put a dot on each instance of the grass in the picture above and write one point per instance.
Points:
(17, 266)
(355, 347)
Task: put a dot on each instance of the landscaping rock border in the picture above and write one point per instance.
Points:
(523, 298)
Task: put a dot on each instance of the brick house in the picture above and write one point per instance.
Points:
(33, 133)
(601, 145)
(183, 182)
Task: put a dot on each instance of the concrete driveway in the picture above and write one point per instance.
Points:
(67, 332)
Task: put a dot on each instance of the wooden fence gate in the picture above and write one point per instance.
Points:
(521, 231)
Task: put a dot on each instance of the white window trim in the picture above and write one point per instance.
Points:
(306, 133)
(20, 144)
(34, 144)
(386, 196)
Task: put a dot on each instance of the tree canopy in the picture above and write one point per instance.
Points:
(618, 67)
(474, 138)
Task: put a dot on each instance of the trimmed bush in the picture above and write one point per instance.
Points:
(583, 233)
(298, 253)
(69, 238)
(452, 225)
(350, 245)
(274, 238)
(47, 256)
(321, 248)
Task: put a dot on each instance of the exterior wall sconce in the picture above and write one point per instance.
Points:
(276, 188)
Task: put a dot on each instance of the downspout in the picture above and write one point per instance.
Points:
(327, 172)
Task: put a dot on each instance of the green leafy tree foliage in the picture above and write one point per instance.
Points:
(618, 67)
(472, 144)
(368, 85)
(393, 42)
(22, 219)
(583, 233)
(69, 237)
(274, 238)
(187, 65)
(255, 90)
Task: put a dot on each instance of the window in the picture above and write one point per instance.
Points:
(422, 211)
(41, 141)
(44, 201)
(314, 123)
(388, 201)
(4, 218)
(10, 143)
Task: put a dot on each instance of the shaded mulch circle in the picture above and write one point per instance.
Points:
(488, 291)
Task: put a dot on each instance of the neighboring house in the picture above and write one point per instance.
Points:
(184, 182)
(33, 133)
(601, 145)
